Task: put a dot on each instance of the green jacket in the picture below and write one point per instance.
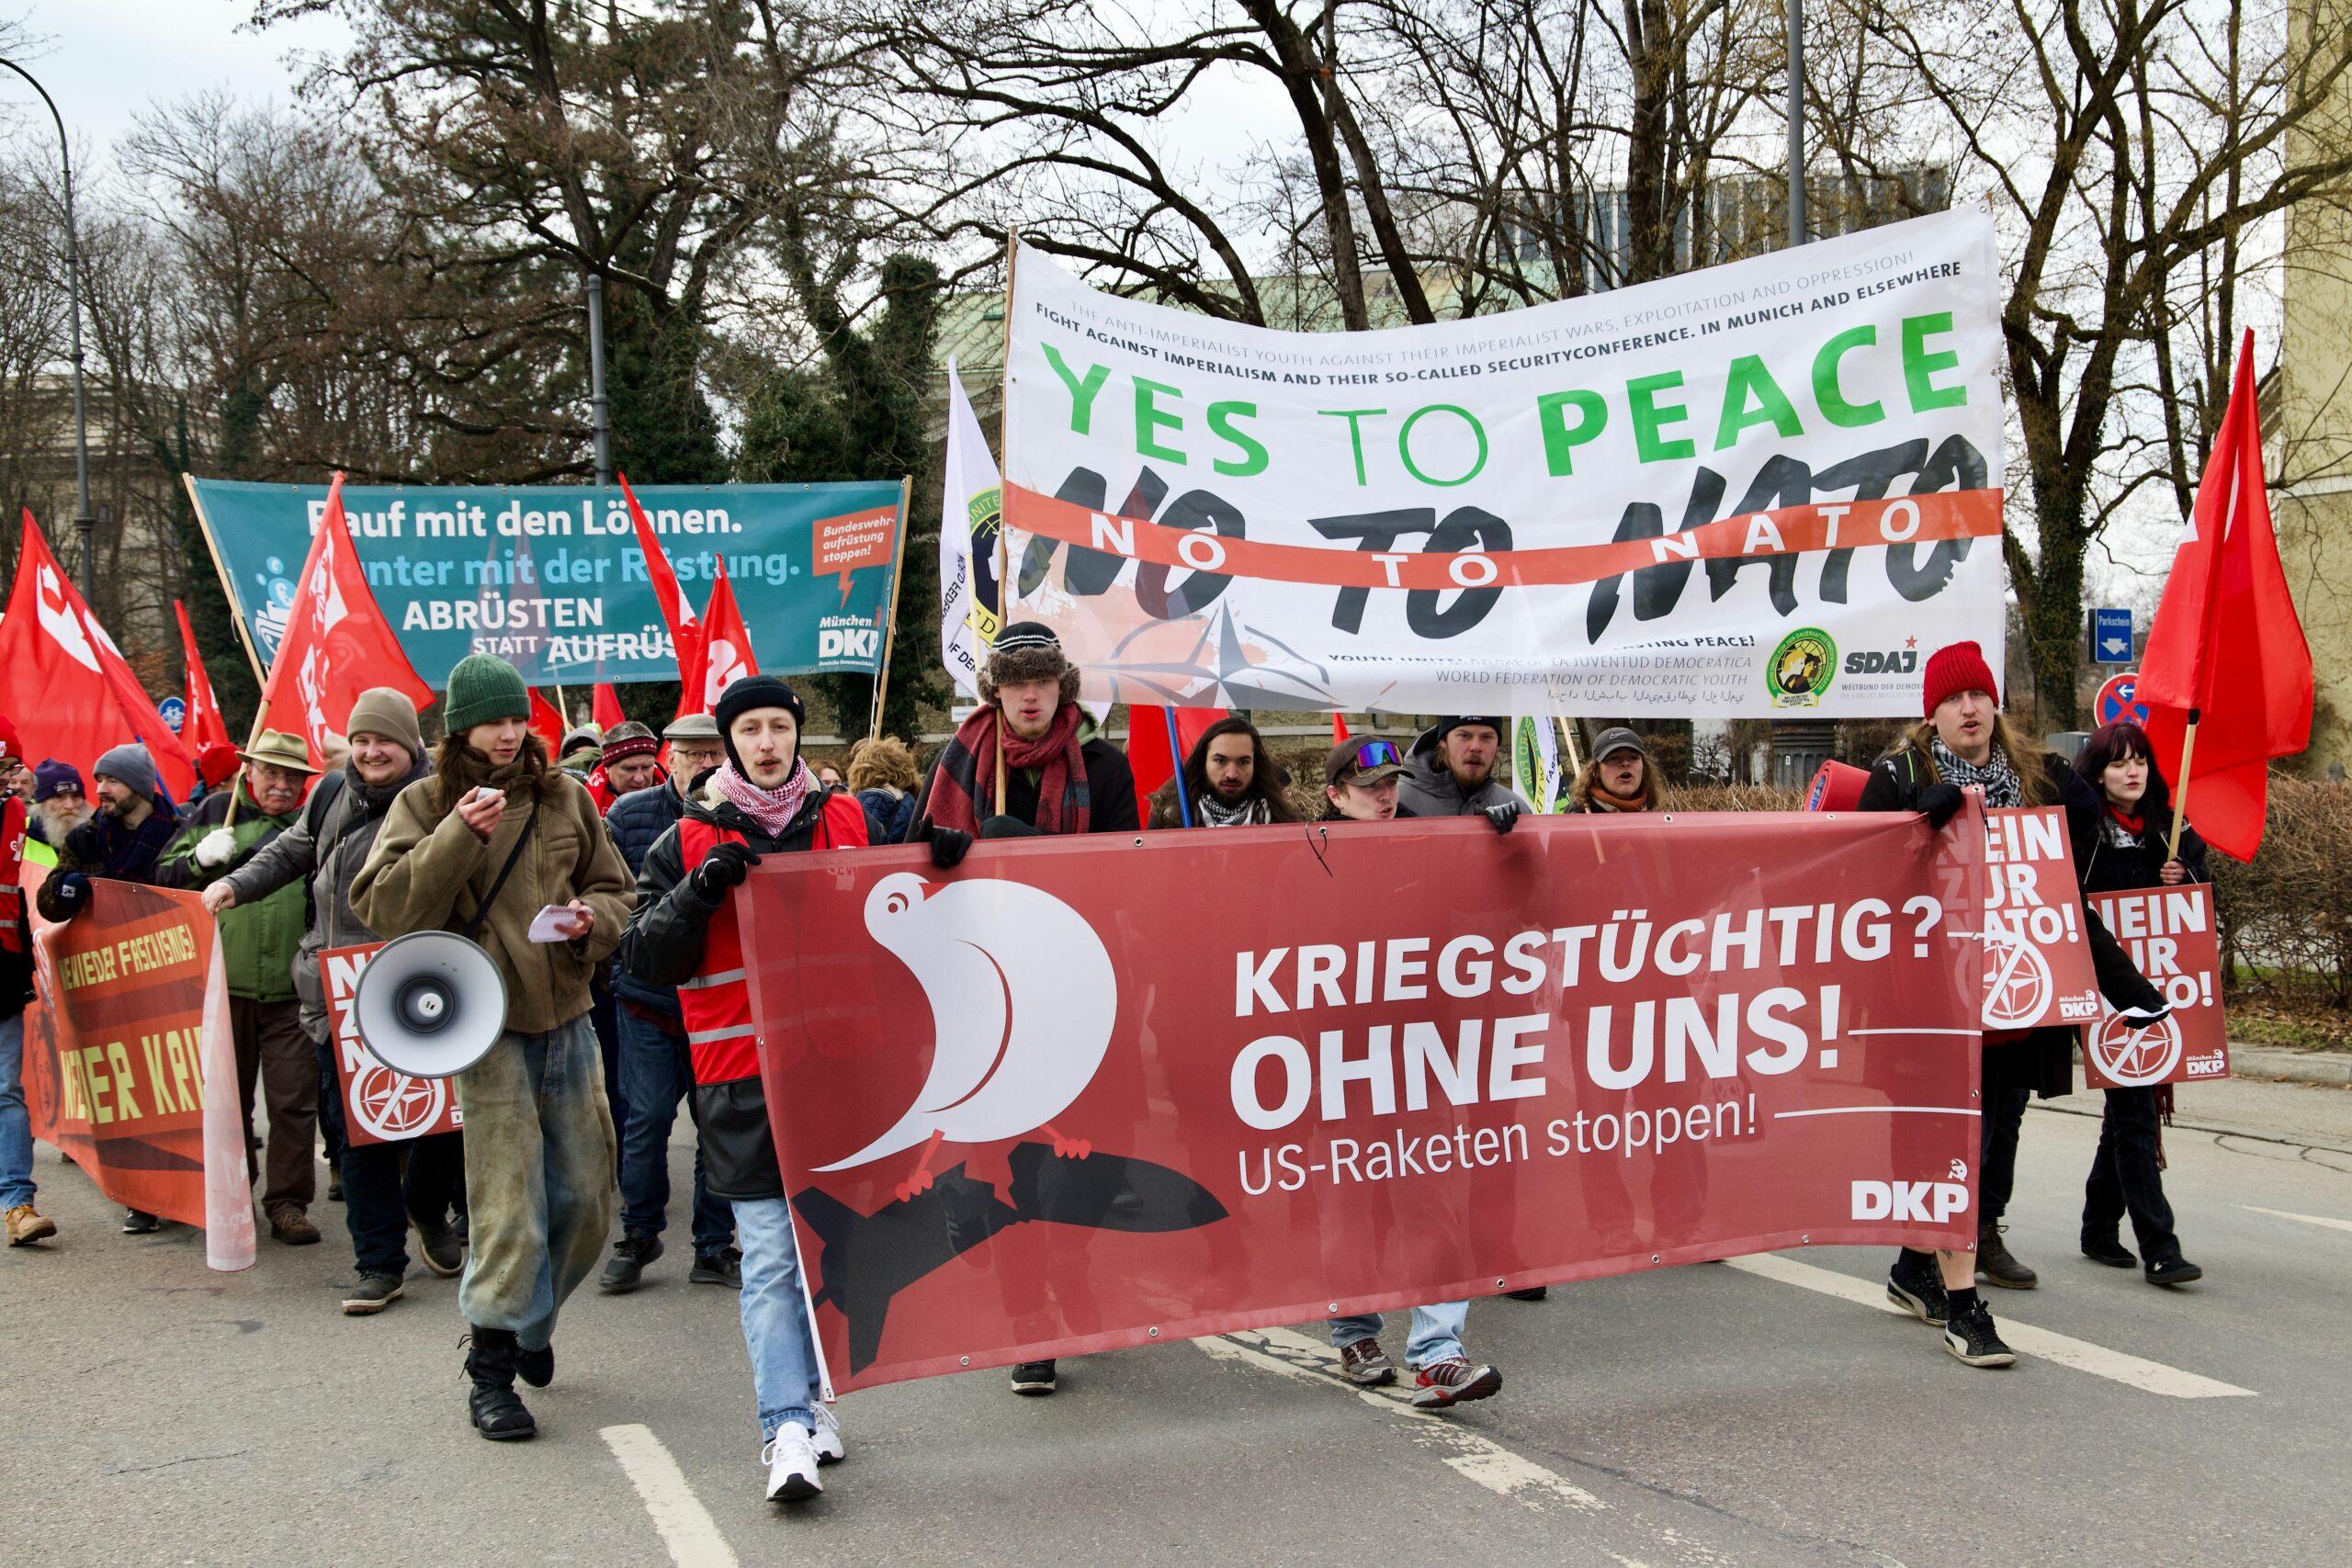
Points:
(258, 941)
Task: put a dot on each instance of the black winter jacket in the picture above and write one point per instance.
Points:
(102, 846)
(1110, 794)
(662, 949)
(2044, 1060)
(637, 822)
(2112, 867)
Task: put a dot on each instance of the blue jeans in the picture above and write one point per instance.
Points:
(658, 1071)
(776, 1317)
(1436, 1336)
(538, 1178)
(16, 1125)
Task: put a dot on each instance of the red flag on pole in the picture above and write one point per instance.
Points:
(2227, 676)
(1339, 726)
(722, 654)
(606, 709)
(337, 643)
(1148, 750)
(204, 724)
(64, 683)
(677, 612)
(546, 723)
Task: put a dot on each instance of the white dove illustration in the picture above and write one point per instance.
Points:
(1022, 999)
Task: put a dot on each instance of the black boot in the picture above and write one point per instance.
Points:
(1996, 1264)
(497, 1412)
(537, 1367)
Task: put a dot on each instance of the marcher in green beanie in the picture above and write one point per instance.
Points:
(483, 689)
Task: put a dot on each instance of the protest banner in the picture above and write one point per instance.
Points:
(1795, 460)
(380, 1105)
(2172, 938)
(1059, 1103)
(2037, 965)
(551, 577)
(129, 1067)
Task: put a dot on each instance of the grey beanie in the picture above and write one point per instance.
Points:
(384, 710)
(130, 766)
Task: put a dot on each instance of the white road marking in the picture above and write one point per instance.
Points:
(2133, 1372)
(2307, 1219)
(1881, 1111)
(1470, 1454)
(687, 1527)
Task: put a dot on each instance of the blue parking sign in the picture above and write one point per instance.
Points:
(2110, 636)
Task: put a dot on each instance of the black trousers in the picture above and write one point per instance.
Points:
(383, 1184)
(1996, 1150)
(2125, 1177)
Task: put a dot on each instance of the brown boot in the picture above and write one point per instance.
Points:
(25, 1224)
(290, 1226)
(1995, 1263)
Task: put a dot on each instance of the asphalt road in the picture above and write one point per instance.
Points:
(1718, 1414)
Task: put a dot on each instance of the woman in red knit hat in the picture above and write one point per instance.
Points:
(1964, 742)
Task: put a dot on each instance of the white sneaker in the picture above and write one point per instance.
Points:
(791, 1459)
(828, 1436)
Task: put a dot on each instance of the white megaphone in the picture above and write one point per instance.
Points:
(430, 1004)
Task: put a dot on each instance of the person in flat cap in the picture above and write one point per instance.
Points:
(258, 944)
(1617, 776)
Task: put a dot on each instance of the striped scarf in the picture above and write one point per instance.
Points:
(967, 767)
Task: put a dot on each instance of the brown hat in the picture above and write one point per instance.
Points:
(386, 711)
(276, 749)
(1359, 761)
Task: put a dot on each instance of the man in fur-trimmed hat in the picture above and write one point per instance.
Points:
(1060, 777)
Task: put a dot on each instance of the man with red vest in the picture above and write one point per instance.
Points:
(761, 800)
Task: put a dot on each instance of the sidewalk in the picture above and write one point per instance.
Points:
(2331, 1067)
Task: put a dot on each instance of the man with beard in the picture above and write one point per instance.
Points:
(59, 805)
(492, 837)
(122, 841)
(1230, 781)
(1451, 772)
(258, 942)
(1058, 779)
(762, 801)
(327, 845)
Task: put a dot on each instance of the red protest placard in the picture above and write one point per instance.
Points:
(380, 1106)
(1072, 1097)
(2037, 965)
(2172, 935)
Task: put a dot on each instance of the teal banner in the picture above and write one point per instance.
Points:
(550, 579)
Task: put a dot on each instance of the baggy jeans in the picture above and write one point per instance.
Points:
(1436, 1333)
(775, 1319)
(538, 1177)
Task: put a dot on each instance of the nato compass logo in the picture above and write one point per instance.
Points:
(1802, 669)
(277, 604)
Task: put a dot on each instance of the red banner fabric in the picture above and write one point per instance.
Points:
(2038, 966)
(1071, 1099)
(380, 1105)
(128, 1064)
(2173, 937)
(202, 723)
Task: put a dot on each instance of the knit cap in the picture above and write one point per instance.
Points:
(483, 689)
(386, 711)
(130, 766)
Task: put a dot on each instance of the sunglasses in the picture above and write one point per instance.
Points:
(1378, 755)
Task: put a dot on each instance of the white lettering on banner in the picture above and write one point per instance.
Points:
(1910, 1202)
(1839, 412)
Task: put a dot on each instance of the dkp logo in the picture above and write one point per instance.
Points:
(1909, 1202)
(847, 642)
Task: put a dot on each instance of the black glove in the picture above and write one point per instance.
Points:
(1504, 817)
(73, 887)
(948, 846)
(1941, 801)
(724, 867)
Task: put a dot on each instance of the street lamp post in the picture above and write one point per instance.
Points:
(84, 523)
(1796, 122)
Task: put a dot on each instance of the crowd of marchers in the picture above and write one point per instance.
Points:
(644, 1006)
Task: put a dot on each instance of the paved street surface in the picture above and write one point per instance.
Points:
(1763, 1412)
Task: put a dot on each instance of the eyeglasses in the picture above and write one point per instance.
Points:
(1378, 755)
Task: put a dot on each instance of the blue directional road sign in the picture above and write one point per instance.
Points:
(2110, 636)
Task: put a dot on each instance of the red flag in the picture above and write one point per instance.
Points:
(1339, 726)
(203, 725)
(1147, 752)
(677, 611)
(2226, 650)
(64, 683)
(607, 710)
(722, 653)
(337, 643)
(546, 723)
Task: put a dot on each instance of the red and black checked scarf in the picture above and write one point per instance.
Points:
(968, 765)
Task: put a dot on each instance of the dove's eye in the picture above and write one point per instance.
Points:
(896, 904)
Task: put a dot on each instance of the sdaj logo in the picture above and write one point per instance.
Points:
(1802, 668)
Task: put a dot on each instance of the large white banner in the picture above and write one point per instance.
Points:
(1767, 489)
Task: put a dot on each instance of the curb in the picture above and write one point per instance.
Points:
(2332, 1068)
